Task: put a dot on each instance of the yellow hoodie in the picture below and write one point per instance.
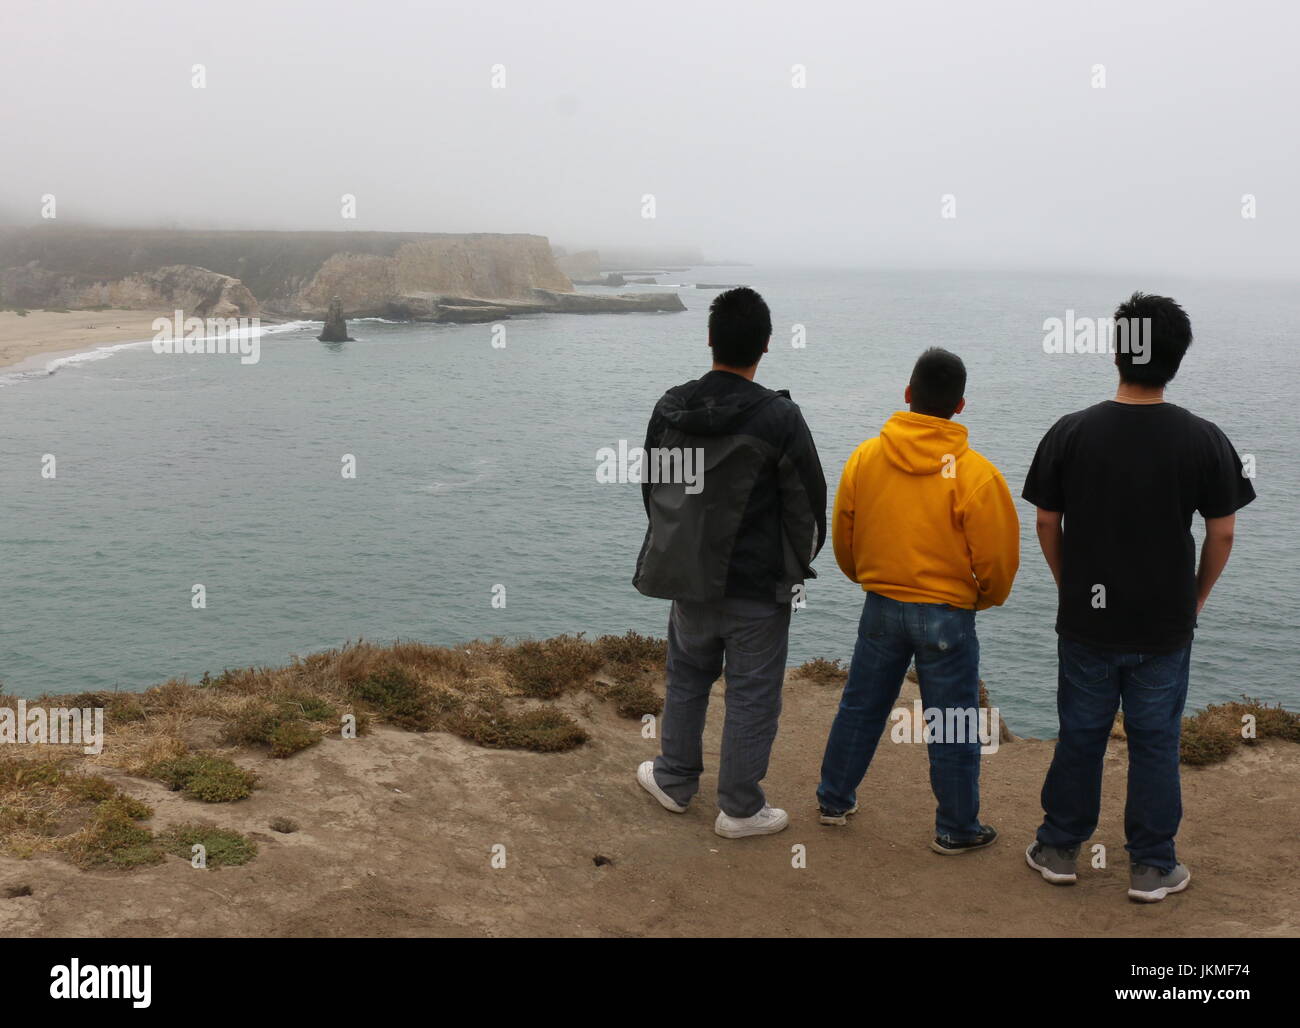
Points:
(920, 517)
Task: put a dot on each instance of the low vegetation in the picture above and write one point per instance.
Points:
(195, 737)
(221, 846)
(48, 805)
(204, 777)
(187, 736)
(1216, 732)
(822, 671)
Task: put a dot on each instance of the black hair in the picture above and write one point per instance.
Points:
(938, 383)
(1166, 334)
(739, 327)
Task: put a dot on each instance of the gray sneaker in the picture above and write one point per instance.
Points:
(1056, 865)
(1148, 884)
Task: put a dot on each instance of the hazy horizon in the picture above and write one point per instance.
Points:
(395, 105)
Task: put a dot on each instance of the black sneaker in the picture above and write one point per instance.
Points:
(947, 845)
(827, 818)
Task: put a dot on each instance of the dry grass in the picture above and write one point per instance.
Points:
(822, 671)
(185, 734)
(48, 805)
(1215, 733)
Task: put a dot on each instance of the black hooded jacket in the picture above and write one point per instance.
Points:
(758, 517)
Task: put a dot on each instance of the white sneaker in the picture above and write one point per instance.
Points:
(767, 821)
(645, 774)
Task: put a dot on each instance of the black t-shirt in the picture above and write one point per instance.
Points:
(1128, 478)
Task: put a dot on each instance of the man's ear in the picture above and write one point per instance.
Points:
(960, 406)
(769, 339)
(907, 395)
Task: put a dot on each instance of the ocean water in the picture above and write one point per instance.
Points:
(476, 469)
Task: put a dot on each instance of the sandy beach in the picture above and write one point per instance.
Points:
(26, 339)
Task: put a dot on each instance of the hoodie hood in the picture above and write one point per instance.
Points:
(716, 404)
(919, 444)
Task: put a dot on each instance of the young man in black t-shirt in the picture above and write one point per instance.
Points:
(1116, 486)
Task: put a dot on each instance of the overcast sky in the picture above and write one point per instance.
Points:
(604, 102)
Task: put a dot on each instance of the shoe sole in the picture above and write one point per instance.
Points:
(744, 833)
(665, 801)
(944, 851)
(837, 819)
(1156, 895)
(1055, 877)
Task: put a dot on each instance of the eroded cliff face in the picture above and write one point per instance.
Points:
(177, 286)
(482, 267)
(289, 273)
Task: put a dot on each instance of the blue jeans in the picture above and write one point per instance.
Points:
(1153, 688)
(947, 653)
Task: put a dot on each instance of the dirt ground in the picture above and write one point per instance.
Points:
(397, 833)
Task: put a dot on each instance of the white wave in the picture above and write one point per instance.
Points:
(33, 367)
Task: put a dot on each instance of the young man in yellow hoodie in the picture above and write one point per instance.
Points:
(928, 528)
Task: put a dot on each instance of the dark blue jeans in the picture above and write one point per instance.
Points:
(1153, 688)
(947, 652)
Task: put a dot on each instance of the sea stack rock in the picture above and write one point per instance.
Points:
(336, 329)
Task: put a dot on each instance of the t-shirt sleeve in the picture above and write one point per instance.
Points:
(1225, 489)
(1043, 483)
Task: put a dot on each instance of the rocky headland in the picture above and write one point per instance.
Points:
(290, 275)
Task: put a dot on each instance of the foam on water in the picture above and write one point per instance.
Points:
(39, 366)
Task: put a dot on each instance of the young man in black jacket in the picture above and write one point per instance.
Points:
(731, 547)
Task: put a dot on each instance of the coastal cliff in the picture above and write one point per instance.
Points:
(534, 746)
(422, 276)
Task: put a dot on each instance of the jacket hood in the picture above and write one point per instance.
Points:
(717, 404)
(918, 443)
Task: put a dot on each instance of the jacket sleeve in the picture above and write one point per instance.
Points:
(993, 535)
(842, 523)
(653, 433)
(803, 491)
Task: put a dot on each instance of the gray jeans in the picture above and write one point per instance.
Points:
(750, 639)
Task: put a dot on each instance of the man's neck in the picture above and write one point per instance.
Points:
(1129, 393)
(742, 372)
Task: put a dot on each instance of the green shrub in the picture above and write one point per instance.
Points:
(205, 777)
(1214, 734)
(113, 839)
(635, 699)
(398, 697)
(222, 847)
(544, 730)
(545, 669)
